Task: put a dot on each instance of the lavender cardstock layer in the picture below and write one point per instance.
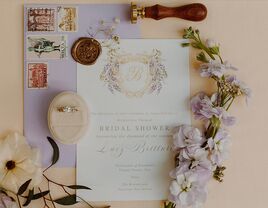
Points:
(62, 74)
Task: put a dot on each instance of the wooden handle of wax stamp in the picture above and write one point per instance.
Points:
(192, 12)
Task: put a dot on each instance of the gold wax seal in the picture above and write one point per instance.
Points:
(86, 50)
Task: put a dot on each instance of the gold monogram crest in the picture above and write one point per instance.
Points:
(134, 75)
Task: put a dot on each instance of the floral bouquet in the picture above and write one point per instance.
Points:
(200, 153)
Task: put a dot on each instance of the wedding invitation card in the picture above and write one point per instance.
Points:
(137, 93)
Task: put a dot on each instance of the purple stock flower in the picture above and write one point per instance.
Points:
(203, 109)
(191, 156)
(215, 68)
(187, 190)
(187, 136)
(241, 86)
(195, 159)
(224, 116)
(201, 106)
(219, 146)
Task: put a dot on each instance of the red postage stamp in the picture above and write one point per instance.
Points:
(41, 19)
(37, 75)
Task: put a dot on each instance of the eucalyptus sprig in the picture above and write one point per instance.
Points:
(48, 200)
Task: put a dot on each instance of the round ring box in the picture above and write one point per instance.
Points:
(68, 127)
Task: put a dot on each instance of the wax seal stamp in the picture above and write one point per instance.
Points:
(86, 50)
(191, 12)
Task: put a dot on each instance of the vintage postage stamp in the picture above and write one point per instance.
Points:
(67, 19)
(46, 47)
(37, 75)
(41, 19)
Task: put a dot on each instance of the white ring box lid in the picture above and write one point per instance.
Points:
(68, 127)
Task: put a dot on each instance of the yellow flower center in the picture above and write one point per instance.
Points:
(10, 165)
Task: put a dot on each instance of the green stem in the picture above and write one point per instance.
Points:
(50, 196)
(53, 181)
(206, 50)
(44, 198)
(18, 200)
(214, 132)
(230, 104)
(220, 58)
(227, 100)
(85, 201)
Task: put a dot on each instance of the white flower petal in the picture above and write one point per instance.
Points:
(27, 163)
(10, 182)
(174, 188)
(37, 178)
(180, 179)
(183, 198)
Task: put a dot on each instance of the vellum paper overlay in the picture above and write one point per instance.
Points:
(136, 97)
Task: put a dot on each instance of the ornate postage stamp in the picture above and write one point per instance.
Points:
(46, 47)
(37, 75)
(41, 19)
(67, 19)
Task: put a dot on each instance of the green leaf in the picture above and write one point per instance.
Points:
(29, 198)
(202, 57)
(78, 187)
(185, 44)
(40, 195)
(67, 200)
(56, 151)
(24, 187)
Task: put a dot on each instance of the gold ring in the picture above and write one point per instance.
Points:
(67, 109)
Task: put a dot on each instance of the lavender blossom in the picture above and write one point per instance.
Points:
(240, 86)
(215, 68)
(219, 147)
(203, 109)
(187, 136)
(187, 190)
(195, 159)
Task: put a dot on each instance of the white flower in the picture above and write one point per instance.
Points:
(210, 43)
(219, 147)
(187, 190)
(18, 163)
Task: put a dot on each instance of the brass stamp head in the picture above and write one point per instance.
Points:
(136, 13)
